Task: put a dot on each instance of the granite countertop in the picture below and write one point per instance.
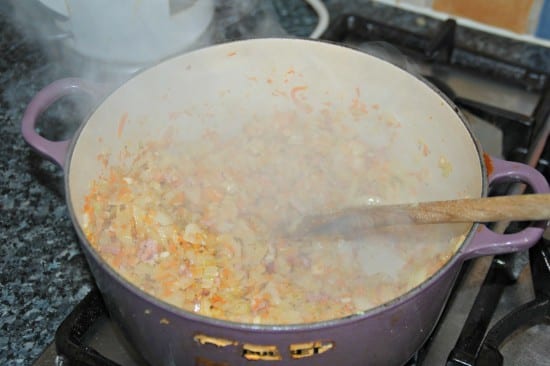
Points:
(43, 273)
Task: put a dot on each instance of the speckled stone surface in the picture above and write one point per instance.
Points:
(43, 273)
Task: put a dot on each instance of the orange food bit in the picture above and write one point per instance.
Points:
(167, 288)
(217, 299)
(357, 106)
(122, 123)
(300, 102)
(172, 247)
(226, 272)
(488, 163)
(425, 150)
(260, 303)
(294, 92)
(212, 194)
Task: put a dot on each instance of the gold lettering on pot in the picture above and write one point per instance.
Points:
(216, 341)
(256, 352)
(302, 350)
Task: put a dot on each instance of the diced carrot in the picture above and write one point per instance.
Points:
(212, 194)
(226, 272)
(216, 299)
(170, 265)
(168, 287)
(163, 277)
(179, 198)
(260, 303)
(300, 102)
(172, 247)
(294, 92)
(117, 260)
(121, 123)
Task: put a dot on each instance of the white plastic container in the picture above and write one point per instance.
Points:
(129, 31)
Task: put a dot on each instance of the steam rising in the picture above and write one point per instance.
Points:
(108, 42)
(390, 53)
(50, 28)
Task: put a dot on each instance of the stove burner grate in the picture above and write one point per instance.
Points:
(469, 351)
(69, 336)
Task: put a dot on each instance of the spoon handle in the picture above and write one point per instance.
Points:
(524, 207)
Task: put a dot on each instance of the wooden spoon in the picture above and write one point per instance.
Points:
(352, 220)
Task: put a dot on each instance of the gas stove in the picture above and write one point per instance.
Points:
(499, 310)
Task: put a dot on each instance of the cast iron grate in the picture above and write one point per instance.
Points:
(69, 338)
(440, 47)
(474, 349)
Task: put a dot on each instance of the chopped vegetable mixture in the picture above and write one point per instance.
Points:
(195, 223)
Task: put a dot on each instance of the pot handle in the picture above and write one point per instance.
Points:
(488, 242)
(55, 151)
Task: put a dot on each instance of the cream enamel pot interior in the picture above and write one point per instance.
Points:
(221, 87)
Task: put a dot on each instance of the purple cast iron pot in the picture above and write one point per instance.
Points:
(217, 88)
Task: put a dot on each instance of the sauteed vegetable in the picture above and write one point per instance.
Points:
(193, 223)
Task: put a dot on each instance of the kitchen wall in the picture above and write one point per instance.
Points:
(527, 18)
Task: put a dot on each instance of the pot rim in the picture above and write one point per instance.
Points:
(403, 298)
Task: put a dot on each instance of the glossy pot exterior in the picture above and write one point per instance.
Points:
(213, 88)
